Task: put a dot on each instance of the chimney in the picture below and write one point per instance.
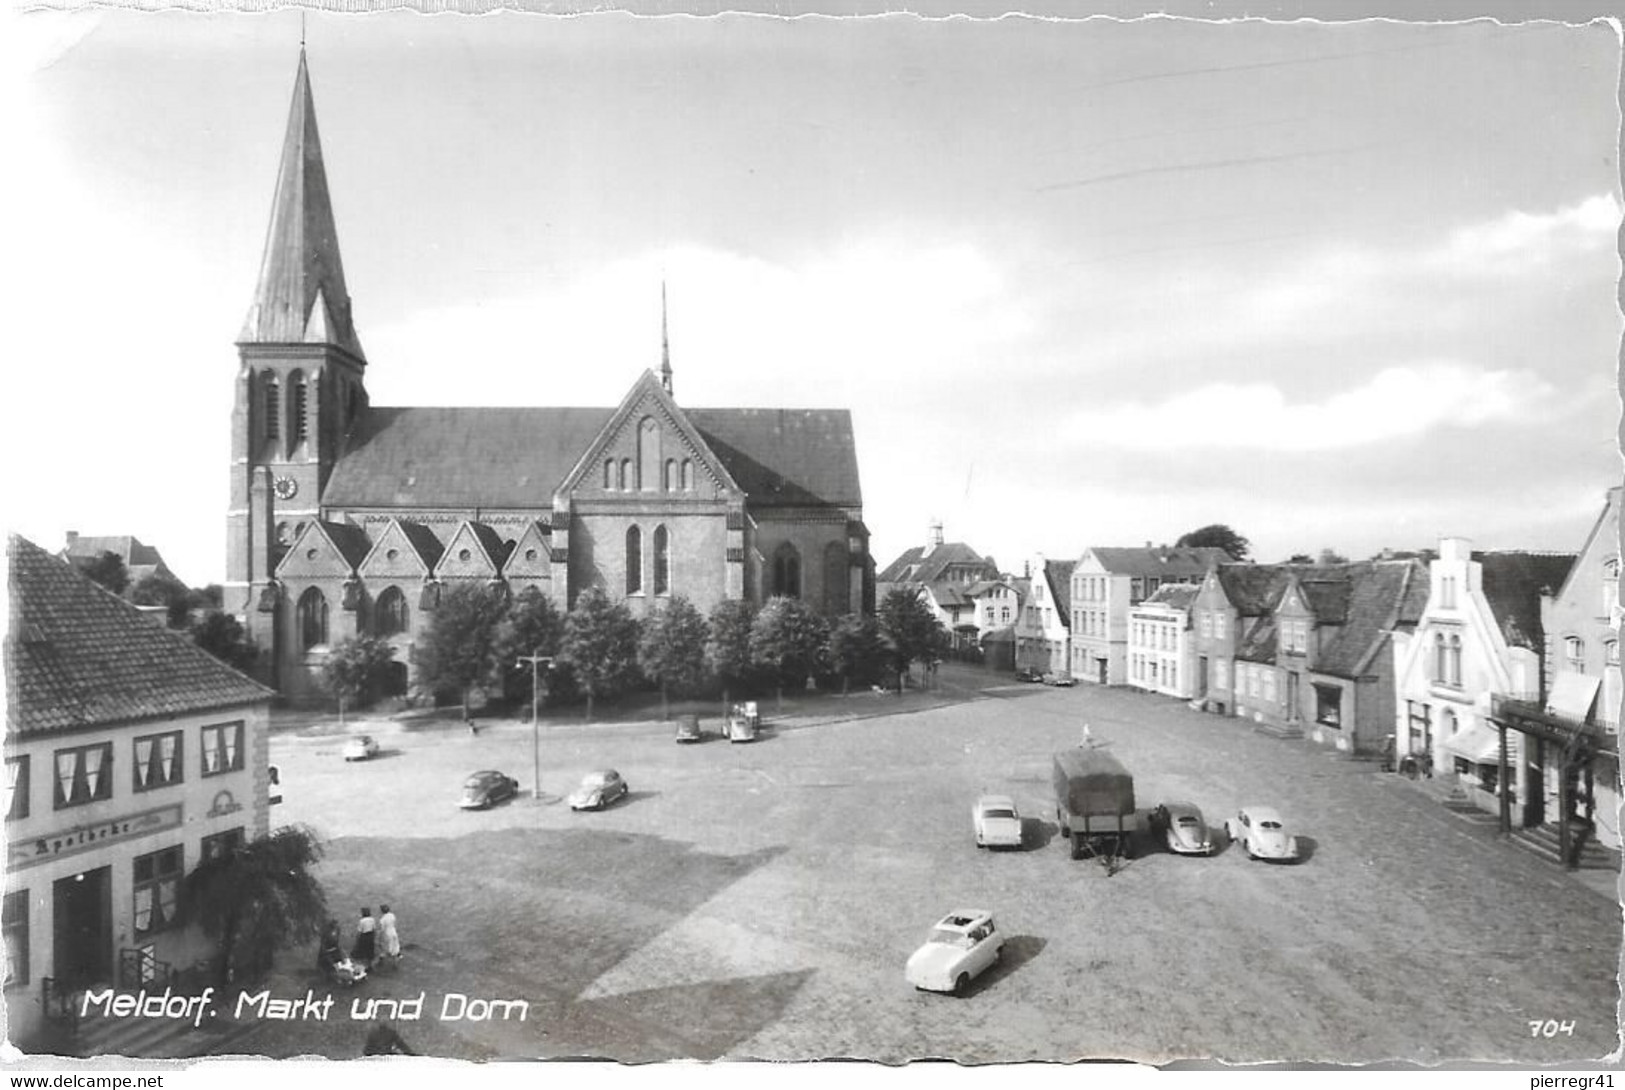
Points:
(933, 536)
(73, 538)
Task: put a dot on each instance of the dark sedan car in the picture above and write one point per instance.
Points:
(1183, 828)
(485, 789)
(1027, 673)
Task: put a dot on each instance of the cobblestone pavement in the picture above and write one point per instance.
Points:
(760, 900)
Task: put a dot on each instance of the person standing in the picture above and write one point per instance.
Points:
(389, 939)
(366, 939)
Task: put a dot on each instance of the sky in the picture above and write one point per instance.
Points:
(1080, 282)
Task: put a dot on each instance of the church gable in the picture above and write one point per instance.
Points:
(649, 447)
(531, 556)
(474, 552)
(405, 550)
(325, 550)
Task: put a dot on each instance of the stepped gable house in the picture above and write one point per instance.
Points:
(348, 519)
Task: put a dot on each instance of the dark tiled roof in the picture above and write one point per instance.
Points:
(461, 458)
(485, 457)
(949, 593)
(1513, 583)
(79, 656)
(350, 540)
(1328, 598)
(903, 567)
(1253, 589)
(423, 541)
(1258, 642)
(786, 457)
(491, 542)
(1058, 573)
(1377, 596)
(1175, 595)
(1159, 561)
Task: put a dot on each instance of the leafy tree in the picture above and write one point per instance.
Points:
(600, 645)
(911, 629)
(671, 648)
(855, 648)
(356, 667)
(222, 635)
(1329, 555)
(1217, 536)
(208, 597)
(788, 638)
(729, 648)
(258, 898)
(158, 589)
(455, 650)
(532, 625)
(107, 569)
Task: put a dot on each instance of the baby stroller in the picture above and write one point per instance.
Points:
(333, 965)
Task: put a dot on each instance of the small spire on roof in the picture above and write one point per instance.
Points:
(665, 343)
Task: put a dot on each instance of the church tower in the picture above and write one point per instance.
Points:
(300, 382)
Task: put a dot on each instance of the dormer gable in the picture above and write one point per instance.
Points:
(325, 550)
(649, 446)
(404, 550)
(531, 556)
(475, 551)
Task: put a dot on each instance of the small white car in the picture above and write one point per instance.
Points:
(598, 790)
(360, 747)
(996, 822)
(961, 946)
(1261, 833)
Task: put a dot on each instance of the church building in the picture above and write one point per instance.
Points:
(348, 519)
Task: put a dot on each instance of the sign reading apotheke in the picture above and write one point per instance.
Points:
(84, 838)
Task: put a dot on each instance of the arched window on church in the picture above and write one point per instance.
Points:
(271, 390)
(671, 475)
(298, 425)
(390, 614)
(649, 455)
(312, 619)
(835, 579)
(609, 474)
(626, 480)
(688, 475)
(787, 571)
(634, 561)
(662, 561)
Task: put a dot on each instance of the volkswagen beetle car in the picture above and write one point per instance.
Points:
(360, 748)
(485, 789)
(996, 822)
(1261, 833)
(598, 790)
(1059, 680)
(960, 947)
(1027, 673)
(1182, 828)
(688, 728)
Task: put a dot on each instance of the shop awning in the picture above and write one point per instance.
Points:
(1479, 743)
(1572, 696)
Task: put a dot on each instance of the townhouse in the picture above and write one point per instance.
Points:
(1044, 636)
(1161, 652)
(1106, 582)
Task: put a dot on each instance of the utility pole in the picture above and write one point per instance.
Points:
(536, 663)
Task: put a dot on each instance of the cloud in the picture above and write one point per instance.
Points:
(1518, 239)
(1395, 403)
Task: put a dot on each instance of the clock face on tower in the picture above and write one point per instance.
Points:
(286, 487)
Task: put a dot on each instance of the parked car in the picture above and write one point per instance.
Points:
(360, 747)
(688, 728)
(485, 789)
(1060, 681)
(996, 822)
(1027, 673)
(1261, 833)
(1183, 828)
(960, 947)
(598, 790)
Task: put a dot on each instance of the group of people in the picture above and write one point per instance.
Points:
(376, 941)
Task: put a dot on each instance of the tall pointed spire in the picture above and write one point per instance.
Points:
(301, 273)
(665, 343)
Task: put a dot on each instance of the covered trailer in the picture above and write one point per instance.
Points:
(1094, 803)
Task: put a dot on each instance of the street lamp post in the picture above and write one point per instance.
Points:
(536, 664)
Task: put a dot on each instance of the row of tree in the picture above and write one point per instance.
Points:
(482, 637)
(193, 610)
